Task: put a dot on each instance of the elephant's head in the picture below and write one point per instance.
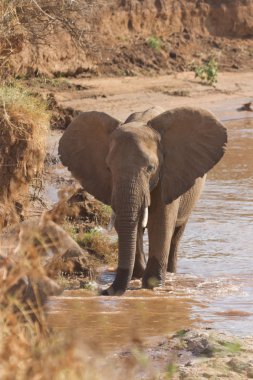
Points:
(120, 164)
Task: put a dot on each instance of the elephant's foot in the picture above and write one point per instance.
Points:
(153, 275)
(111, 292)
(120, 283)
(172, 266)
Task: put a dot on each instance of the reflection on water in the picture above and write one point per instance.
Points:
(214, 281)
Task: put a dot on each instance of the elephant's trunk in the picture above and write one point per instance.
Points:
(127, 204)
(127, 248)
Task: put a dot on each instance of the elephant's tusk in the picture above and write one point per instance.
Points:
(111, 222)
(145, 218)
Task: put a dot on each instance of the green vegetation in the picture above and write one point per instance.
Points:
(155, 43)
(123, 38)
(19, 106)
(104, 215)
(233, 347)
(58, 83)
(171, 370)
(180, 333)
(208, 72)
(100, 247)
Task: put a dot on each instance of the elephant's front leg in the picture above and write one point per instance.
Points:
(140, 262)
(162, 219)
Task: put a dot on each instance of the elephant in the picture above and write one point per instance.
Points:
(151, 170)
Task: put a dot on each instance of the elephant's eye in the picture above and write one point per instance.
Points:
(150, 168)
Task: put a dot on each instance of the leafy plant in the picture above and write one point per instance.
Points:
(208, 72)
(155, 42)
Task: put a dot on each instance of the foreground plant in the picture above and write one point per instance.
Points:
(29, 349)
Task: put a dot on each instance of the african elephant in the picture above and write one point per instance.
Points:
(155, 161)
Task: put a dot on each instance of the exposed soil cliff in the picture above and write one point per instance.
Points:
(128, 37)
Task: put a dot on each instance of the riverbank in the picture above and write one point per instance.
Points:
(213, 287)
(193, 354)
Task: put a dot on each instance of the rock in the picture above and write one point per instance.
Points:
(237, 365)
(61, 117)
(173, 55)
(58, 251)
(71, 262)
(246, 107)
(83, 207)
(199, 345)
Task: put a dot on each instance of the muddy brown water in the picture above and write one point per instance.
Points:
(214, 284)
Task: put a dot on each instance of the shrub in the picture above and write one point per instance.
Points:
(155, 43)
(208, 72)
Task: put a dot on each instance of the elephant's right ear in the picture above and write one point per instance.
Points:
(192, 142)
(83, 149)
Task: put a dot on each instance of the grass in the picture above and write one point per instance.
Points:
(104, 215)
(20, 107)
(100, 247)
(24, 122)
(54, 83)
(155, 43)
(171, 370)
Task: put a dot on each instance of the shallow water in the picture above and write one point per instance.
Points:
(214, 283)
(218, 242)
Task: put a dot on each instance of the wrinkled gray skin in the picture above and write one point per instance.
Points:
(155, 159)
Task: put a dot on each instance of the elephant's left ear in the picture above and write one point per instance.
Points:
(193, 141)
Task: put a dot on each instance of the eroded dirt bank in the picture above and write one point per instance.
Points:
(130, 37)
